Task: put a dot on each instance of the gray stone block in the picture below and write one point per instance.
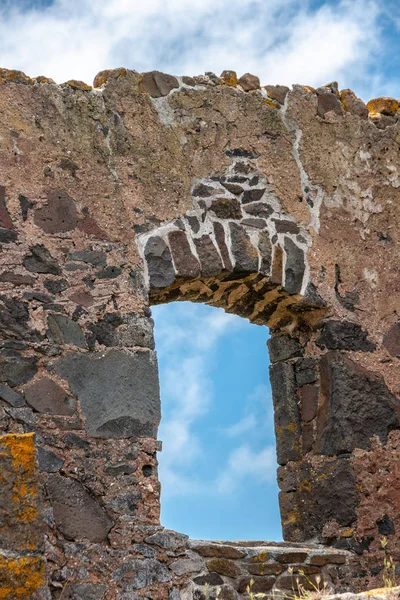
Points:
(118, 391)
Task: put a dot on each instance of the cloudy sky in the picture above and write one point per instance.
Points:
(218, 463)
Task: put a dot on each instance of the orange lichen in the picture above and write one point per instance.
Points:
(24, 494)
(272, 103)
(102, 77)
(229, 78)
(78, 85)
(43, 79)
(383, 106)
(11, 76)
(21, 577)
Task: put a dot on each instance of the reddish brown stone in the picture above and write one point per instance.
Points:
(309, 402)
(82, 298)
(277, 92)
(91, 227)
(329, 102)
(5, 219)
(16, 278)
(77, 514)
(223, 566)
(186, 264)
(158, 84)
(293, 556)
(46, 396)
(59, 215)
(391, 341)
(209, 258)
(321, 560)
(261, 585)
(249, 82)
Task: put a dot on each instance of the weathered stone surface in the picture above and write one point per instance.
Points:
(11, 397)
(391, 340)
(125, 504)
(287, 419)
(169, 540)
(110, 272)
(85, 591)
(261, 585)
(283, 226)
(137, 573)
(277, 92)
(252, 195)
(217, 550)
(63, 330)
(159, 262)
(229, 77)
(55, 286)
(249, 82)
(77, 514)
(328, 492)
(265, 249)
(208, 255)
(203, 191)
(385, 526)
(223, 566)
(245, 255)
(118, 391)
(306, 371)
(92, 257)
(117, 329)
(41, 261)
(210, 579)
(329, 102)
(258, 209)
(48, 461)
(282, 347)
(309, 402)
(16, 369)
(158, 84)
(16, 278)
(21, 529)
(294, 268)
(344, 335)
(186, 264)
(219, 232)
(356, 405)
(183, 566)
(46, 396)
(226, 208)
(352, 104)
(59, 215)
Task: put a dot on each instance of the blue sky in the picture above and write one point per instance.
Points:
(218, 463)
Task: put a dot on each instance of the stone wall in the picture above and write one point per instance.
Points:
(278, 205)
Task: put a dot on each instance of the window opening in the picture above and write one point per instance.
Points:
(218, 464)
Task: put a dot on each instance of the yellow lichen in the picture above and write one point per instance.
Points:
(24, 493)
(43, 79)
(229, 78)
(11, 76)
(78, 85)
(271, 103)
(382, 106)
(102, 77)
(21, 577)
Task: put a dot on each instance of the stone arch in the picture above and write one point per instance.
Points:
(237, 249)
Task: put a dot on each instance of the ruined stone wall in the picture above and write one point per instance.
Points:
(281, 206)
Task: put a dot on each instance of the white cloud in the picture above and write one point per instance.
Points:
(246, 465)
(258, 415)
(282, 41)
